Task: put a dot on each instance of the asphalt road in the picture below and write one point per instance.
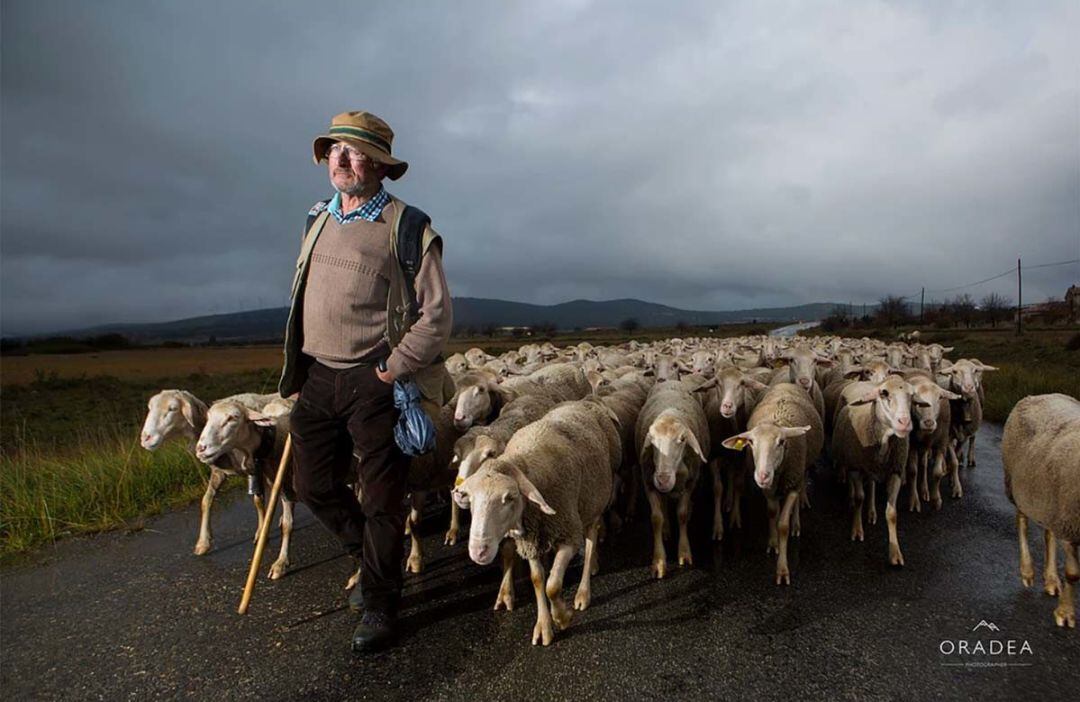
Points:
(137, 616)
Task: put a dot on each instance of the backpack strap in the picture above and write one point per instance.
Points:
(410, 238)
(317, 208)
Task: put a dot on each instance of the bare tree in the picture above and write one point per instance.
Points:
(892, 311)
(994, 306)
(963, 307)
(630, 325)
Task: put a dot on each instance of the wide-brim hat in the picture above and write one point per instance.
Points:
(363, 130)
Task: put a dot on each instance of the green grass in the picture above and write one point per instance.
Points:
(104, 484)
(71, 463)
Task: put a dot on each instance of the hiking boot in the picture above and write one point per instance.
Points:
(376, 631)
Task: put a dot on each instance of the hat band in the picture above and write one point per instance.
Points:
(363, 134)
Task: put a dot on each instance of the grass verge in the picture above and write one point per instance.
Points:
(109, 483)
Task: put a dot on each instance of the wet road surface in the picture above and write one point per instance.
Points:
(134, 616)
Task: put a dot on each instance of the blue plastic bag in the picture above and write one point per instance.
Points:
(414, 432)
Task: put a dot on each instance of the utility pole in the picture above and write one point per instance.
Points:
(1019, 301)
(922, 301)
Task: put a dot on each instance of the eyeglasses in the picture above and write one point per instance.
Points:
(354, 154)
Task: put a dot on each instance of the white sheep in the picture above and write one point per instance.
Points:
(254, 444)
(870, 443)
(178, 414)
(785, 436)
(672, 441)
(548, 491)
(1039, 450)
(930, 451)
(964, 378)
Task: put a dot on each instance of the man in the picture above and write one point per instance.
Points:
(353, 330)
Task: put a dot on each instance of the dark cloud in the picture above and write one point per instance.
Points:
(156, 155)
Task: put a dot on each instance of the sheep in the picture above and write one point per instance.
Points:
(870, 442)
(727, 408)
(456, 364)
(800, 371)
(625, 398)
(966, 411)
(480, 443)
(670, 421)
(548, 491)
(431, 472)
(785, 436)
(254, 444)
(476, 357)
(480, 397)
(179, 414)
(1039, 447)
(930, 440)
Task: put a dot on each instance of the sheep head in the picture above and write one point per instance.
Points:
(171, 413)
(496, 494)
(668, 439)
(768, 442)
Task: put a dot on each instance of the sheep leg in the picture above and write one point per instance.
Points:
(560, 613)
(954, 469)
(1027, 567)
(1065, 614)
(971, 452)
(656, 507)
(774, 510)
(683, 512)
(455, 524)
(913, 478)
(718, 501)
(415, 563)
(871, 503)
(260, 510)
(589, 569)
(353, 581)
(856, 491)
(278, 568)
(217, 477)
(795, 528)
(783, 575)
(804, 497)
(728, 498)
(543, 631)
(895, 557)
(632, 489)
(506, 587)
(936, 477)
(1051, 581)
(738, 483)
(924, 470)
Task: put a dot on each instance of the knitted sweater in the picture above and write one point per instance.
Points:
(344, 313)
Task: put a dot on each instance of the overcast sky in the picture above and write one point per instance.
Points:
(156, 155)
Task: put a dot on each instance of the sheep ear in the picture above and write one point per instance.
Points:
(789, 432)
(194, 414)
(710, 383)
(260, 419)
(946, 349)
(984, 367)
(531, 493)
(692, 440)
(854, 371)
(753, 384)
(737, 442)
(869, 396)
(949, 395)
(614, 417)
(827, 362)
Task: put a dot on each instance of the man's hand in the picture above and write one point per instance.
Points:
(385, 375)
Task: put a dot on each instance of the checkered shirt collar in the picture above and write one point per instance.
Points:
(369, 211)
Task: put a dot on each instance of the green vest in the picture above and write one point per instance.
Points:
(434, 382)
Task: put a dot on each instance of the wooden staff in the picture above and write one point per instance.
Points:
(264, 528)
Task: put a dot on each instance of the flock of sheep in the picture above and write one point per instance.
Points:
(548, 447)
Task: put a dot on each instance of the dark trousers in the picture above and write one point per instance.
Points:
(341, 414)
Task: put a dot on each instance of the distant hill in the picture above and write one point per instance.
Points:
(267, 324)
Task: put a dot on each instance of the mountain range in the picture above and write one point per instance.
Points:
(469, 312)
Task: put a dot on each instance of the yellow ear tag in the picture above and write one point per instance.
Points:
(740, 444)
(458, 481)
